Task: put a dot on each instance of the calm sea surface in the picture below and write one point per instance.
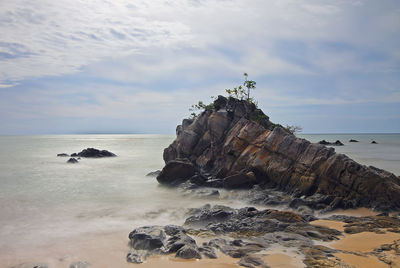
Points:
(44, 200)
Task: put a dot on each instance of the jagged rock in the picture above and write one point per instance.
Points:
(237, 138)
(63, 155)
(72, 161)
(153, 173)
(175, 172)
(148, 240)
(93, 153)
(351, 140)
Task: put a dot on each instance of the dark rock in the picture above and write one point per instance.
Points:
(176, 172)
(374, 142)
(79, 264)
(72, 161)
(148, 240)
(351, 140)
(239, 181)
(188, 252)
(63, 155)
(337, 143)
(153, 173)
(94, 153)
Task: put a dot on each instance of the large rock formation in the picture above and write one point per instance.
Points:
(235, 146)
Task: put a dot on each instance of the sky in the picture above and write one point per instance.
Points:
(119, 66)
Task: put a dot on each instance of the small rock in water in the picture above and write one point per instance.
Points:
(72, 161)
(153, 173)
(94, 153)
(374, 142)
(353, 140)
(337, 143)
(63, 155)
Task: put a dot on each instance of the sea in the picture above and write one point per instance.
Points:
(56, 213)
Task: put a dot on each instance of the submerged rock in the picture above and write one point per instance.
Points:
(63, 155)
(93, 153)
(72, 161)
(237, 138)
(351, 140)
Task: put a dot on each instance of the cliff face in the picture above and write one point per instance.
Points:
(236, 146)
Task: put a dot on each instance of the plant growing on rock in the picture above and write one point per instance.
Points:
(293, 129)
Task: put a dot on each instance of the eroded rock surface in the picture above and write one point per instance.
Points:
(236, 146)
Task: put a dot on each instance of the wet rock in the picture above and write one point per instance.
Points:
(374, 142)
(63, 155)
(208, 252)
(153, 173)
(351, 140)
(93, 153)
(176, 172)
(252, 261)
(188, 252)
(72, 161)
(148, 240)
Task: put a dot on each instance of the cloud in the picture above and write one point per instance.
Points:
(59, 37)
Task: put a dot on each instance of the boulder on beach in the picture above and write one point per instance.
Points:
(176, 171)
(237, 138)
(93, 153)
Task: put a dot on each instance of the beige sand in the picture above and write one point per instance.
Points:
(365, 241)
(359, 212)
(280, 260)
(360, 261)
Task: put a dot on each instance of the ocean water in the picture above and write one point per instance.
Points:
(47, 204)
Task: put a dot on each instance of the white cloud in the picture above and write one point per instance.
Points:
(46, 37)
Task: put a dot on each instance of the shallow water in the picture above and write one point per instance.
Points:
(49, 204)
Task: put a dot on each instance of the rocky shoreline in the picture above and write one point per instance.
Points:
(234, 146)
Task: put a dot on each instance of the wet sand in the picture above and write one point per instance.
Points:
(109, 250)
(337, 225)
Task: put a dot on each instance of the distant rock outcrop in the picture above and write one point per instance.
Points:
(93, 153)
(336, 143)
(235, 145)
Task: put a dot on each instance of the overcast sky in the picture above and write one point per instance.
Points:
(119, 66)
